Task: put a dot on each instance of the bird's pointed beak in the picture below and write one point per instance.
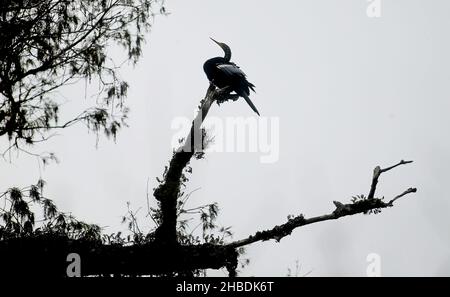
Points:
(218, 43)
(224, 47)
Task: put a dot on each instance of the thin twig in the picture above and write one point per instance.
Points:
(376, 174)
(410, 190)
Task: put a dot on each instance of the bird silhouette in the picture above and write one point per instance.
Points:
(224, 73)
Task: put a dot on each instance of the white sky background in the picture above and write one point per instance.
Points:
(350, 92)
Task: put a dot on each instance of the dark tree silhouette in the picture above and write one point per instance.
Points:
(166, 250)
(46, 44)
(168, 192)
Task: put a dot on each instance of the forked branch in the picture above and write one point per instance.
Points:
(361, 205)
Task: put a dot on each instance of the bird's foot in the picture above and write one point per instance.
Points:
(212, 85)
(228, 97)
(223, 91)
(221, 95)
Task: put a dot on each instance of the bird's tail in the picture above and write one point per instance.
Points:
(249, 102)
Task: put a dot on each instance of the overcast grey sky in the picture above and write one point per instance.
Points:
(350, 92)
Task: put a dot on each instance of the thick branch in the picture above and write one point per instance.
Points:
(167, 193)
(48, 256)
(365, 205)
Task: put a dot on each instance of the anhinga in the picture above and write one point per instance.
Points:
(223, 73)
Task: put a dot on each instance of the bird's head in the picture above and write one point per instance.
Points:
(225, 48)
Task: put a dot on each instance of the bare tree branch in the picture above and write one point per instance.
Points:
(167, 192)
(410, 190)
(378, 171)
(365, 205)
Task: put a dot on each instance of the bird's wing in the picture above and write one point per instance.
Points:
(231, 69)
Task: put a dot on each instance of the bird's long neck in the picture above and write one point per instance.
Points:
(227, 51)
